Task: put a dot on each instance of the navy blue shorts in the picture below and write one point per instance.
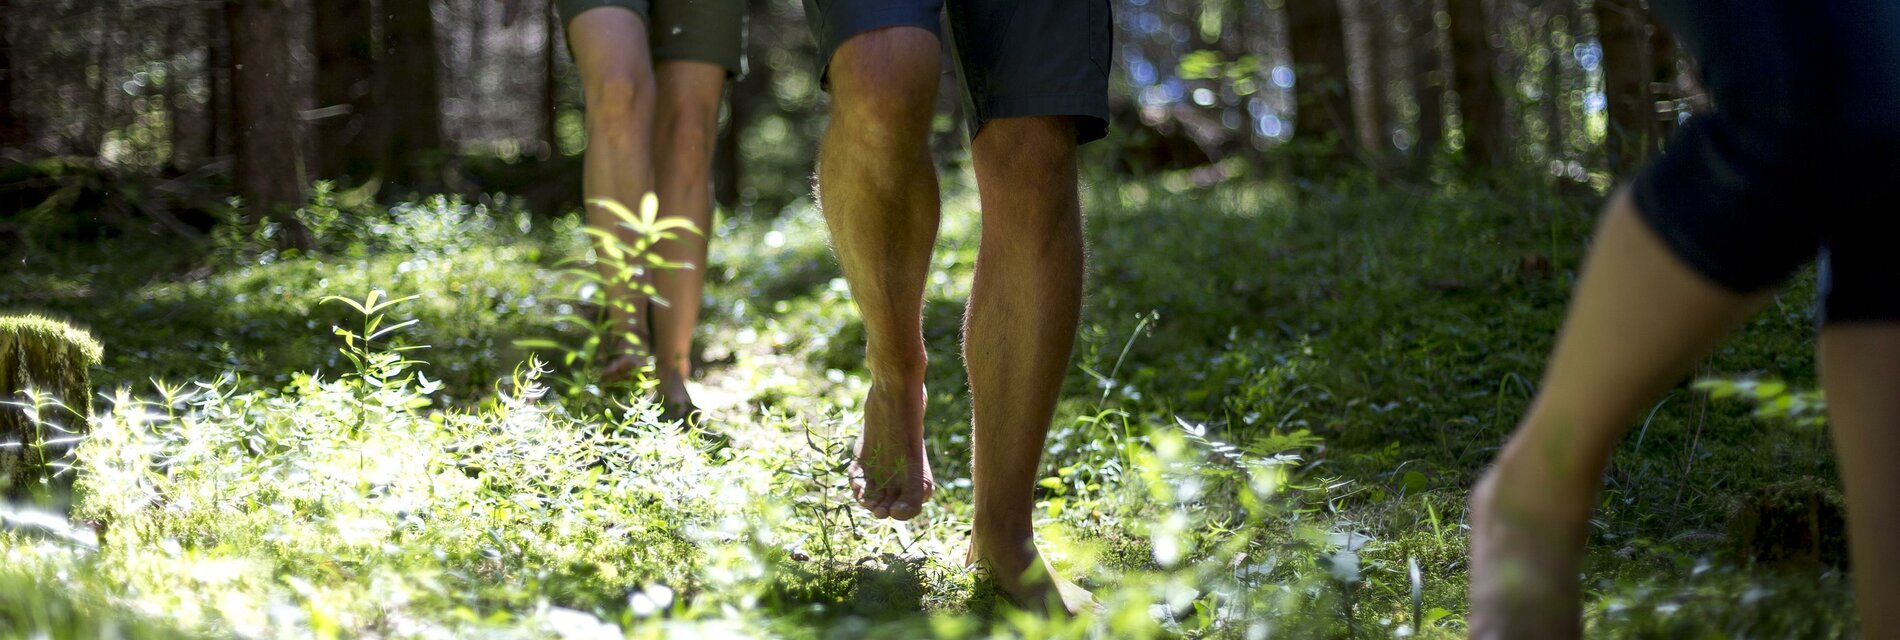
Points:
(1017, 57)
(1800, 156)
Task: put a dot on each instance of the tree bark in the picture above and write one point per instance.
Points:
(1662, 85)
(1480, 98)
(217, 84)
(12, 129)
(1321, 90)
(550, 83)
(1622, 31)
(745, 101)
(269, 161)
(343, 31)
(1557, 27)
(409, 96)
(1373, 75)
(176, 139)
(1428, 80)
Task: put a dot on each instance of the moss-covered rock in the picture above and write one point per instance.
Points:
(54, 359)
(1796, 524)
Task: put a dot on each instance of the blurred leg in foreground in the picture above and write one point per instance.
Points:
(1640, 319)
(652, 130)
(1796, 159)
(878, 190)
(616, 67)
(1036, 73)
(687, 123)
(1860, 369)
(1024, 308)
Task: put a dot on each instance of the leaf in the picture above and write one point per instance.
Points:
(353, 304)
(392, 327)
(1414, 482)
(614, 207)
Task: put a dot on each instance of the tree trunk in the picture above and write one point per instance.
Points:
(269, 160)
(1321, 90)
(1557, 28)
(13, 131)
(99, 111)
(345, 75)
(1623, 30)
(550, 84)
(175, 140)
(1475, 75)
(409, 96)
(746, 100)
(1662, 86)
(1373, 75)
(217, 84)
(1428, 80)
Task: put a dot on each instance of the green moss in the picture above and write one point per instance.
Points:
(53, 358)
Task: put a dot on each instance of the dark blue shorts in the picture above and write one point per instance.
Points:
(1800, 156)
(1017, 57)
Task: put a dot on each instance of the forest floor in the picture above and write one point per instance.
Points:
(1276, 406)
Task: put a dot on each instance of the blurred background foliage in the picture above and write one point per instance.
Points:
(135, 112)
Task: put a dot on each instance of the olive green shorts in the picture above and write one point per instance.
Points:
(697, 30)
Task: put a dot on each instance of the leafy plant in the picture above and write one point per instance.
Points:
(614, 279)
(1773, 399)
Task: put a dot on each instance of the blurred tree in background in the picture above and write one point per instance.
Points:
(201, 99)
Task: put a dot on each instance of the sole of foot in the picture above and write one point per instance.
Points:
(890, 470)
(1030, 582)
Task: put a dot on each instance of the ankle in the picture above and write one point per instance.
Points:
(1528, 495)
(898, 372)
(991, 540)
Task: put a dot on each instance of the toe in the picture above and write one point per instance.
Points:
(910, 504)
(882, 508)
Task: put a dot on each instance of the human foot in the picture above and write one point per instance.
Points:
(1523, 562)
(1026, 577)
(891, 472)
(677, 400)
(621, 368)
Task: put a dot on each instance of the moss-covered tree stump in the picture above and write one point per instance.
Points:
(1798, 524)
(54, 360)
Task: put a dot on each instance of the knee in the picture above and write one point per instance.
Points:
(688, 128)
(1039, 144)
(618, 106)
(884, 82)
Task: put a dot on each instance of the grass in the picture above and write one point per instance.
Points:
(1277, 403)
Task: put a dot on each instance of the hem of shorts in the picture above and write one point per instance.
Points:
(1089, 109)
(602, 4)
(1654, 209)
(861, 23)
(1836, 316)
(733, 69)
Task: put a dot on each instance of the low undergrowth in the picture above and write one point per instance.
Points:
(1277, 403)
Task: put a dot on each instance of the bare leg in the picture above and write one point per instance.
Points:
(1860, 367)
(1024, 307)
(610, 49)
(1639, 320)
(879, 194)
(687, 122)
